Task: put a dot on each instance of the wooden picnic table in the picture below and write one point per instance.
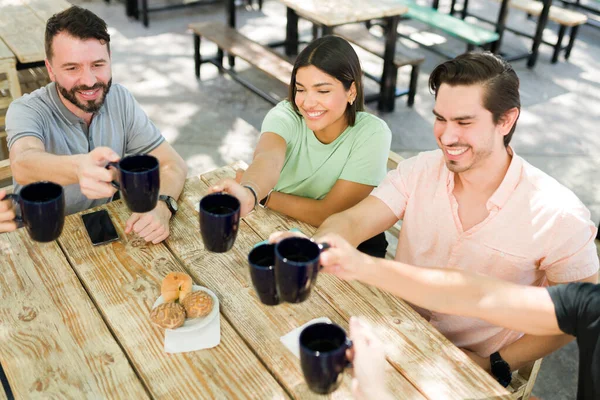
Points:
(334, 13)
(74, 319)
(22, 28)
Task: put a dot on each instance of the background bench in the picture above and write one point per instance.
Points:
(360, 36)
(473, 35)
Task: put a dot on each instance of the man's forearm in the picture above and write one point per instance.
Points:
(172, 179)
(343, 225)
(37, 165)
(530, 348)
(517, 307)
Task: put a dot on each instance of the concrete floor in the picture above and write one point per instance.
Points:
(215, 121)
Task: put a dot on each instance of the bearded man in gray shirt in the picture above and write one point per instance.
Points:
(68, 131)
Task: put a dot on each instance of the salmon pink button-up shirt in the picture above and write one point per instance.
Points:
(537, 231)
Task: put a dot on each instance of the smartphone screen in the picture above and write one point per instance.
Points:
(100, 227)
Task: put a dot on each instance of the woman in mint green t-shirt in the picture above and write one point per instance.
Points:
(319, 152)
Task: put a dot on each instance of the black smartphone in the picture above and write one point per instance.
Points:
(100, 227)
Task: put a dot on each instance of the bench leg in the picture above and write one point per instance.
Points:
(470, 47)
(463, 14)
(231, 60)
(197, 56)
(573, 35)
(315, 31)
(260, 3)
(220, 55)
(145, 13)
(452, 7)
(291, 33)
(412, 87)
(558, 45)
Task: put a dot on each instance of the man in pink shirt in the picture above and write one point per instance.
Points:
(475, 205)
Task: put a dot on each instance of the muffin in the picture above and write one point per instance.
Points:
(197, 304)
(168, 315)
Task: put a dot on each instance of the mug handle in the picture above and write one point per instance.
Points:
(323, 247)
(15, 199)
(115, 165)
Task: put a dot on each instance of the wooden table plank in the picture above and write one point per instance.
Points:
(22, 31)
(54, 342)
(429, 360)
(5, 52)
(124, 280)
(46, 8)
(332, 13)
(260, 326)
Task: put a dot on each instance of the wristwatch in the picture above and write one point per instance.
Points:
(170, 202)
(500, 369)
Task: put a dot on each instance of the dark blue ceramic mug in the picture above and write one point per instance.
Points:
(140, 181)
(323, 356)
(219, 221)
(42, 210)
(296, 267)
(262, 271)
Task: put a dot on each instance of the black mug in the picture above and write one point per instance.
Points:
(323, 356)
(42, 211)
(296, 267)
(262, 271)
(140, 181)
(219, 221)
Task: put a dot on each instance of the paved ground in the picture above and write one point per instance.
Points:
(214, 121)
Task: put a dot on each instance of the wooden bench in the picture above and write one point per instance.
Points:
(561, 16)
(230, 41)
(360, 36)
(473, 35)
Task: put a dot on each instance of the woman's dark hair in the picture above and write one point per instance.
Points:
(77, 22)
(498, 78)
(336, 57)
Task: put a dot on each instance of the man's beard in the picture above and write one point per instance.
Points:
(89, 106)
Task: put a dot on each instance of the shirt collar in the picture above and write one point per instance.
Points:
(509, 183)
(68, 114)
(507, 186)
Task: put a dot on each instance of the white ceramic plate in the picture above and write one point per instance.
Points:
(191, 324)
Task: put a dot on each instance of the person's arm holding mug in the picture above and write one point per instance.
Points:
(7, 214)
(523, 308)
(262, 175)
(153, 226)
(30, 163)
(368, 360)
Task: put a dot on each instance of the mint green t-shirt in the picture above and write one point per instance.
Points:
(311, 168)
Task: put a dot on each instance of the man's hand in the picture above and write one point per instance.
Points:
(368, 359)
(153, 226)
(483, 362)
(7, 214)
(243, 194)
(342, 259)
(94, 178)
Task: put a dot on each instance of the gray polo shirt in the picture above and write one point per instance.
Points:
(120, 124)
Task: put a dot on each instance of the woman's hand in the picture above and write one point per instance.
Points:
(243, 194)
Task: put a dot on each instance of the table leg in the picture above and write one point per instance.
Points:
(500, 25)
(537, 39)
(387, 92)
(230, 10)
(131, 8)
(197, 59)
(327, 30)
(291, 33)
(463, 13)
(436, 4)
